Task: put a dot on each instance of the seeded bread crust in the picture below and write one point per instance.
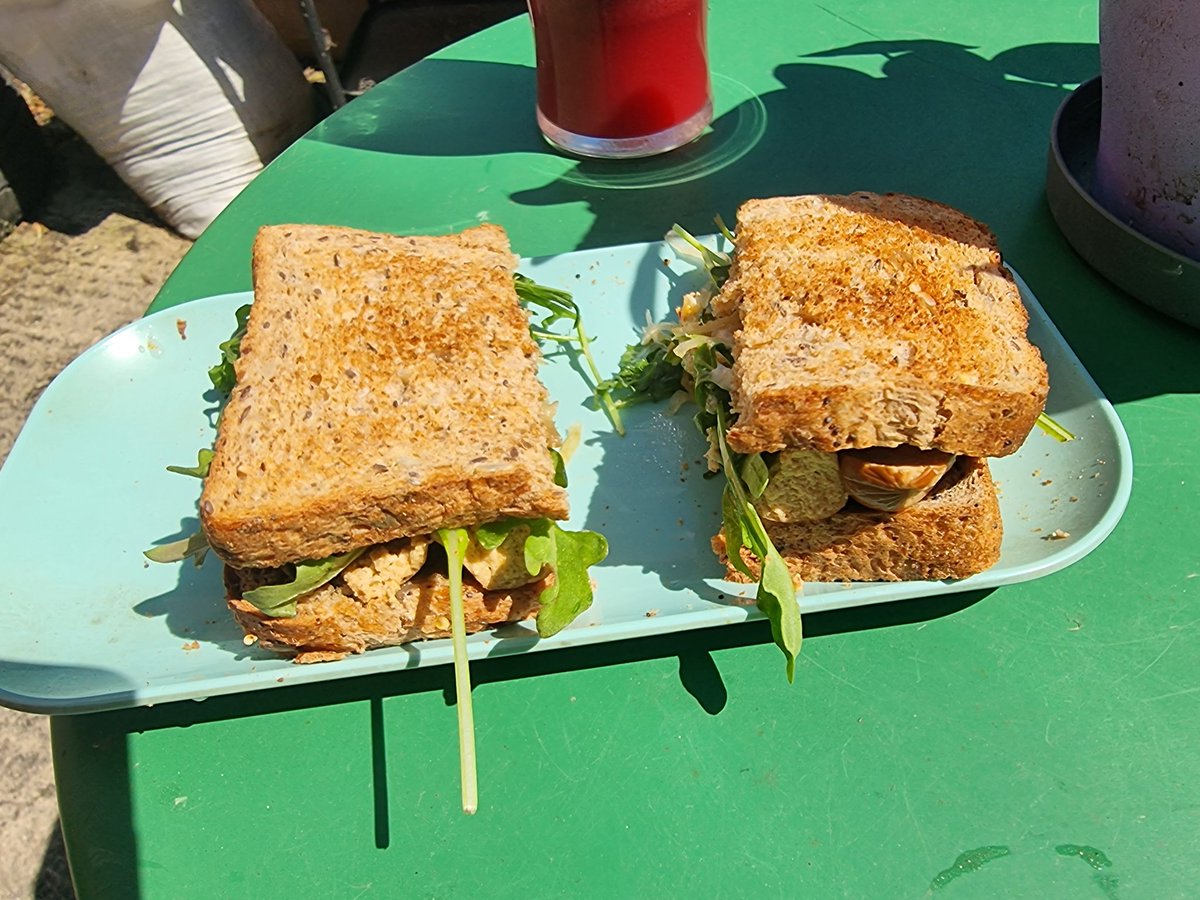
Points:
(331, 622)
(387, 386)
(877, 320)
(953, 533)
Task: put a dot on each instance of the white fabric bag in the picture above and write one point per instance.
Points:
(186, 100)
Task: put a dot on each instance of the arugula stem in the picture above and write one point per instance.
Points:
(1053, 429)
(731, 472)
(724, 229)
(687, 236)
(455, 542)
(602, 394)
(776, 596)
(559, 305)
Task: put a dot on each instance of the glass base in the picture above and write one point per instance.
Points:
(630, 147)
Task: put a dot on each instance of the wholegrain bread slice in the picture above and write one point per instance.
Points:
(953, 533)
(333, 621)
(387, 386)
(876, 320)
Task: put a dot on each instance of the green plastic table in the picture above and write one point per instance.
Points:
(1038, 740)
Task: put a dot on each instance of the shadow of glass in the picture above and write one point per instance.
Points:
(942, 121)
(930, 94)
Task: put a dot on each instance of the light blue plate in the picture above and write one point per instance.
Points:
(86, 623)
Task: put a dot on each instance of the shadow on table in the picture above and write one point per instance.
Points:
(693, 649)
(100, 803)
(698, 672)
(830, 129)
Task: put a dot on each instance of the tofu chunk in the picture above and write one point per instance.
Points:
(385, 567)
(803, 486)
(504, 567)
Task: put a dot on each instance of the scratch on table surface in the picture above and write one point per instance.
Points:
(1063, 778)
(916, 824)
(1156, 635)
(845, 21)
(696, 754)
(916, 661)
(1042, 633)
(1160, 757)
(670, 833)
(1150, 665)
(775, 879)
(546, 753)
(1167, 696)
(1036, 802)
(1120, 826)
(829, 812)
(834, 675)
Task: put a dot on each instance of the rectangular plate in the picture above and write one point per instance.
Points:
(86, 623)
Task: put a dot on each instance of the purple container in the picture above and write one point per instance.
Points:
(1148, 158)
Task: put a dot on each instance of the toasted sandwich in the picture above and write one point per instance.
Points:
(879, 357)
(386, 390)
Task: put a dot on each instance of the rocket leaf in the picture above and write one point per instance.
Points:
(279, 600)
(568, 553)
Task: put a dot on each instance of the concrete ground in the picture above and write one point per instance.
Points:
(90, 261)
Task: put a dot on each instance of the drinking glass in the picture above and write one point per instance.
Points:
(621, 78)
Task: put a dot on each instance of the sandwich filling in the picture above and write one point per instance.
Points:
(501, 556)
(794, 484)
(496, 561)
(809, 485)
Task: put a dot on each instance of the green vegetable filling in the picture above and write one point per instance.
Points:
(223, 374)
(557, 306)
(671, 359)
(279, 600)
(568, 554)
